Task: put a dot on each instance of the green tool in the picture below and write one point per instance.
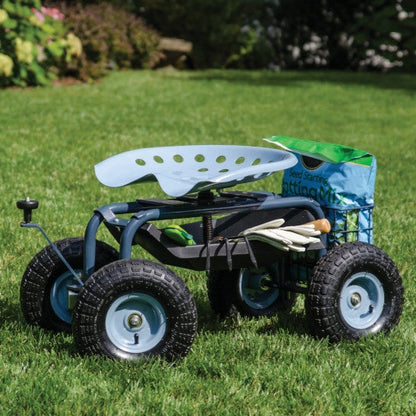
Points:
(178, 234)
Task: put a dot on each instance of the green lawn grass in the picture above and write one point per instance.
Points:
(51, 138)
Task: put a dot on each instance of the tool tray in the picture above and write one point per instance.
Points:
(224, 249)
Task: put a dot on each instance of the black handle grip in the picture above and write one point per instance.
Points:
(27, 205)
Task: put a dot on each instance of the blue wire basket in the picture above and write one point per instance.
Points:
(350, 224)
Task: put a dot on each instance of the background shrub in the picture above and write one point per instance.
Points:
(111, 37)
(354, 35)
(349, 34)
(34, 43)
(340, 35)
(214, 27)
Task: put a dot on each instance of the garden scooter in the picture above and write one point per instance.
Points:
(259, 250)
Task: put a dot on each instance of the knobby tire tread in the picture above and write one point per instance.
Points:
(329, 274)
(135, 275)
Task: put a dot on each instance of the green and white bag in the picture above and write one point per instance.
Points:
(340, 178)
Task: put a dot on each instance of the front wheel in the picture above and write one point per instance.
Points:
(134, 309)
(355, 291)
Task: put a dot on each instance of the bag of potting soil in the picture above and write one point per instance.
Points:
(340, 178)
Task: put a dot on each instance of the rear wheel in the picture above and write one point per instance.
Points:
(134, 309)
(251, 292)
(355, 291)
(44, 286)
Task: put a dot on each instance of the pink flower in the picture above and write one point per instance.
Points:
(38, 14)
(52, 12)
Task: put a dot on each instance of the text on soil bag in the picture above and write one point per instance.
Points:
(294, 184)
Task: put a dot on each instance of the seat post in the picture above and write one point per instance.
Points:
(206, 198)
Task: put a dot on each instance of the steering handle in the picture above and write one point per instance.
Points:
(27, 205)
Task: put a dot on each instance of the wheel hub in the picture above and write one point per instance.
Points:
(256, 289)
(355, 299)
(63, 296)
(134, 321)
(265, 283)
(361, 300)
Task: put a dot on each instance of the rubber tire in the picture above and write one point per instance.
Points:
(134, 276)
(225, 299)
(330, 275)
(43, 271)
(220, 287)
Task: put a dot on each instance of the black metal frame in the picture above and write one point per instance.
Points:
(213, 253)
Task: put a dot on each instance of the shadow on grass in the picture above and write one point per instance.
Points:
(13, 322)
(389, 81)
(293, 322)
(10, 312)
